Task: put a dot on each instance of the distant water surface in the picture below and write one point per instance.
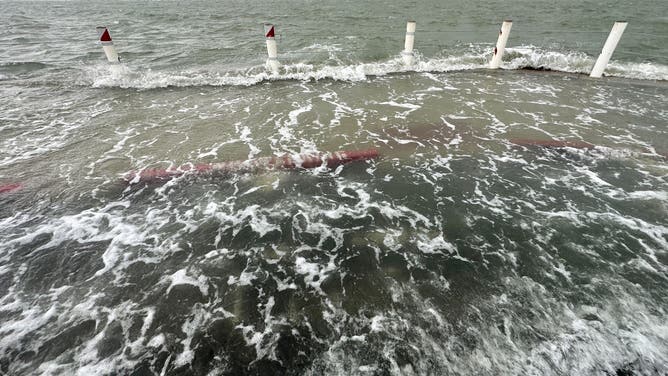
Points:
(462, 250)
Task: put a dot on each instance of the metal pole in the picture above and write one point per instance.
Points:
(504, 33)
(608, 48)
(272, 50)
(407, 53)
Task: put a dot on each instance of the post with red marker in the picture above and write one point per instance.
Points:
(407, 53)
(272, 50)
(107, 44)
(504, 33)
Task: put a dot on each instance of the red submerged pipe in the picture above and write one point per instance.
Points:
(580, 145)
(552, 143)
(286, 162)
(10, 187)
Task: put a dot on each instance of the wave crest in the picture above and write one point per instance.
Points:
(476, 57)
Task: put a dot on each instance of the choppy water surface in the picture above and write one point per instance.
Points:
(455, 252)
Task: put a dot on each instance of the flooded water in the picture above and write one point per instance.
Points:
(466, 247)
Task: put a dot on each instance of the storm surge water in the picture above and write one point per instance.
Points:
(515, 221)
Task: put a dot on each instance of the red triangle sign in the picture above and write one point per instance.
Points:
(270, 33)
(105, 37)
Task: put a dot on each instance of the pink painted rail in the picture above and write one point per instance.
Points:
(11, 187)
(286, 162)
(552, 143)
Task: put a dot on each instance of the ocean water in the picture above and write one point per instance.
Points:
(464, 248)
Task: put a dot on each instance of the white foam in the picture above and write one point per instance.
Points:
(377, 323)
(474, 58)
(189, 328)
(311, 270)
(649, 195)
(157, 341)
(181, 277)
(436, 245)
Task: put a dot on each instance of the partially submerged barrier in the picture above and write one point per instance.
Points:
(286, 162)
(557, 144)
(552, 143)
(407, 55)
(11, 187)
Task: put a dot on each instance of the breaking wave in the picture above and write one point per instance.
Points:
(476, 57)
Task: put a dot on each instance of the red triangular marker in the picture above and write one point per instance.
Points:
(270, 33)
(105, 37)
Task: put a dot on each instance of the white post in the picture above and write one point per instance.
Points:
(107, 44)
(272, 50)
(504, 33)
(608, 48)
(407, 53)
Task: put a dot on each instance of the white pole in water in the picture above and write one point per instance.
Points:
(504, 33)
(107, 44)
(608, 48)
(272, 51)
(407, 53)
